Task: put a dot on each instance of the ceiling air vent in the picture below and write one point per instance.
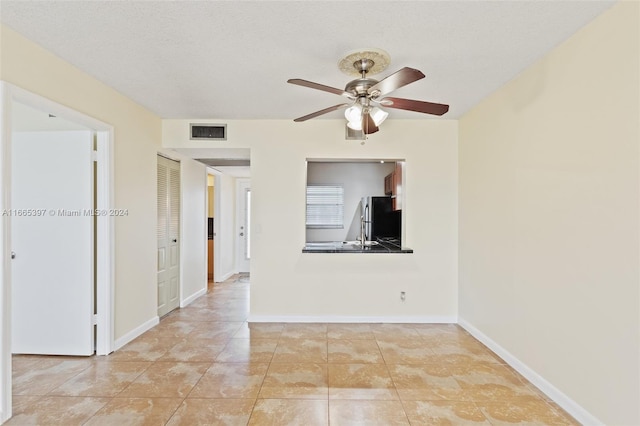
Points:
(209, 132)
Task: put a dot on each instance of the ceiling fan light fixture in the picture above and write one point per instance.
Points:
(378, 115)
(353, 113)
(355, 125)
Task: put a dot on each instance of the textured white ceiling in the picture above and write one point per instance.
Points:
(231, 59)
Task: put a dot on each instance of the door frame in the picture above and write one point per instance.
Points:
(241, 186)
(217, 276)
(105, 248)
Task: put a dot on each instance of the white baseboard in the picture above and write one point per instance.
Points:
(225, 277)
(120, 342)
(194, 296)
(353, 319)
(569, 405)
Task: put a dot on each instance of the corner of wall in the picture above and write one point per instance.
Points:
(568, 404)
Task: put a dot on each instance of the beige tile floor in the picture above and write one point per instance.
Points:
(205, 365)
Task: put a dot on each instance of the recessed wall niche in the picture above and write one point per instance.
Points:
(347, 181)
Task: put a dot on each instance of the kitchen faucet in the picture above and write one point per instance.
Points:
(363, 236)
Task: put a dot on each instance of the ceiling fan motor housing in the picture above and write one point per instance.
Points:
(360, 87)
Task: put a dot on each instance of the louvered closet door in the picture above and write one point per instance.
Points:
(168, 235)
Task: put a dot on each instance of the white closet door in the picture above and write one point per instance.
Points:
(243, 214)
(168, 235)
(52, 237)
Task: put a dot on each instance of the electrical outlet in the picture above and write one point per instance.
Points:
(403, 296)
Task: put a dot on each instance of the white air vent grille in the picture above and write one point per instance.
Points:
(211, 132)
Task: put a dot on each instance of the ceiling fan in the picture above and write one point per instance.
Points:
(366, 94)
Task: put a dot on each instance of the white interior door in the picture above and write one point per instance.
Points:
(243, 209)
(52, 238)
(168, 235)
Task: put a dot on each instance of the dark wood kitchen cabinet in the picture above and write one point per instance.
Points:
(388, 184)
(397, 187)
(393, 186)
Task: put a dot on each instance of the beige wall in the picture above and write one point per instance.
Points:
(210, 201)
(289, 284)
(549, 259)
(210, 196)
(137, 139)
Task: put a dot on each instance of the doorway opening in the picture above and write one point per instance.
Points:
(15, 104)
(243, 221)
(227, 168)
(211, 213)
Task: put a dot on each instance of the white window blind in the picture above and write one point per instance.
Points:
(325, 206)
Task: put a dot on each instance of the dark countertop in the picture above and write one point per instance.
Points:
(348, 247)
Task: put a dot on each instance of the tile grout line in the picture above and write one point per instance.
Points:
(447, 338)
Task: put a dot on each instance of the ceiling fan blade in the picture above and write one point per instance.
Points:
(368, 125)
(318, 113)
(417, 106)
(319, 86)
(396, 80)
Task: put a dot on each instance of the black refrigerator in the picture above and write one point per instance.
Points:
(380, 220)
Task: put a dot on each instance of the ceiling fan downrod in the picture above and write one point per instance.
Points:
(363, 66)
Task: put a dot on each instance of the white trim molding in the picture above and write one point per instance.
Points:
(5, 249)
(569, 405)
(189, 300)
(225, 276)
(354, 319)
(242, 264)
(136, 332)
(105, 244)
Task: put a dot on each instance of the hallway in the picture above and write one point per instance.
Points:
(205, 364)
